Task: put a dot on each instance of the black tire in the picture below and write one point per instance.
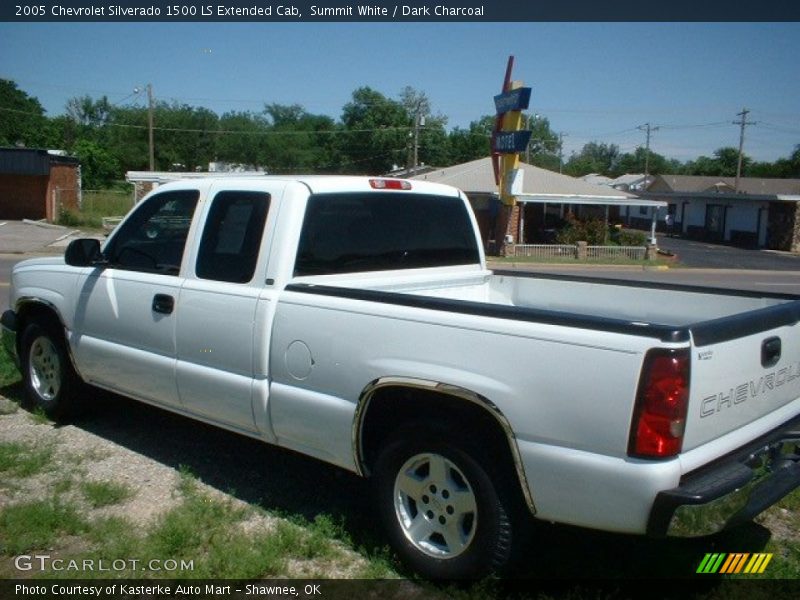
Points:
(51, 383)
(433, 528)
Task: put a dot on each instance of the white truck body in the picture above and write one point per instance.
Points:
(297, 355)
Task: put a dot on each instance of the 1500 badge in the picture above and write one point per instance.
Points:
(749, 390)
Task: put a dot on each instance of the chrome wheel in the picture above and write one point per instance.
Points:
(435, 505)
(44, 366)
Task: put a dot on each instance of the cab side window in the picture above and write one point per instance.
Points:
(154, 237)
(232, 236)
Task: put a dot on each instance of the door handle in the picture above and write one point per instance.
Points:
(163, 303)
(770, 352)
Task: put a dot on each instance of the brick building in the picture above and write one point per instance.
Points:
(34, 184)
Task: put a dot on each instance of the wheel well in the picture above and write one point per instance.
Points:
(393, 407)
(36, 311)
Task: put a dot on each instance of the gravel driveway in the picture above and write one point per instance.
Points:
(147, 448)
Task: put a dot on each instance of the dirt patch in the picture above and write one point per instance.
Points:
(131, 463)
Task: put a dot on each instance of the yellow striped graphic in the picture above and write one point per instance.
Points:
(758, 563)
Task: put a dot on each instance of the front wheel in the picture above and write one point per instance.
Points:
(444, 514)
(51, 383)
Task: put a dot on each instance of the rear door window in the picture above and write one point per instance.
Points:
(232, 236)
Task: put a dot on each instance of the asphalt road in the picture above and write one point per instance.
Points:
(714, 256)
(779, 282)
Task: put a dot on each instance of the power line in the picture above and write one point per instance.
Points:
(698, 126)
(779, 128)
(237, 132)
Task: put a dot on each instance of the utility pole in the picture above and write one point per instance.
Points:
(150, 126)
(742, 123)
(528, 126)
(561, 152)
(648, 130)
(419, 121)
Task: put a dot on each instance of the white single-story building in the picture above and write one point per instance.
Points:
(545, 199)
(763, 213)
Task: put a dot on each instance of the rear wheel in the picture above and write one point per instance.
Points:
(444, 514)
(51, 383)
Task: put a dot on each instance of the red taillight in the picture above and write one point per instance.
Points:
(659, 418)
(390, 184)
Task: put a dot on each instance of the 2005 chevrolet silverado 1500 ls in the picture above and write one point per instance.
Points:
(354, 320)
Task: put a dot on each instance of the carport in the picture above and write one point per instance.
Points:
(566, 200)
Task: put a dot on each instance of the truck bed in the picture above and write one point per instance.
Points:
(745, 364)
(671, 313)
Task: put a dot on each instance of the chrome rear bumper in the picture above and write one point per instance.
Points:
(732, 490)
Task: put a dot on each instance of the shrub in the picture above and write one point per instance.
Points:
(594, 232)
(626, 237)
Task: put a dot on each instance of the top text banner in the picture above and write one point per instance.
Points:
(381, 10)
(517, 99)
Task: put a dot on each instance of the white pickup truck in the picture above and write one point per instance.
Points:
(354, 320)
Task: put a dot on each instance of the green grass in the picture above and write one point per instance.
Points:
(207, 533)
(105, 493)
(38, 416)
(36, 525)
(10, 385)
(24, 460)
(9, 374)
(95, 206)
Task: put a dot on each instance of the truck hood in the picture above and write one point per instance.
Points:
(44, 261)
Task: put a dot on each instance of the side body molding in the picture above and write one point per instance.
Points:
(446, 389)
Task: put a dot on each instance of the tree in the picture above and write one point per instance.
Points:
(126, 138)
(544, 146)
(594, 157)
(299, 141)
(376, 132)
(22, 119)
(184, 137)
(89, 113)
(99, 168)
(432, 140)
(242, 139)
(473, 143)
(637, 161)
(722, 165)
(727, 160)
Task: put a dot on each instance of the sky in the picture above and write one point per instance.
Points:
(593, 81)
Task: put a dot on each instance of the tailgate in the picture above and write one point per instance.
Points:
(735, 382)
